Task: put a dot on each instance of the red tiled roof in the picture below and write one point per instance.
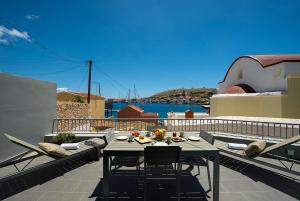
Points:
(239, 89)
(268, 60)
(136, 108)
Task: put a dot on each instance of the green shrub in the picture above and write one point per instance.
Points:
(78, 99)
(64, 137)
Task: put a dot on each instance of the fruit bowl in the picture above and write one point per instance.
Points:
(135, 133)
(160, 134)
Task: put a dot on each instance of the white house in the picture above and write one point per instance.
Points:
(260, 73)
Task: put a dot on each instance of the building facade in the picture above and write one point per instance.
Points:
(135, 112)
(262, 86)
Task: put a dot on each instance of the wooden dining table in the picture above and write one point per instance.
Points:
(188, 148)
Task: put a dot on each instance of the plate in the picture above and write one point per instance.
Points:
(122, 137)
(143, 141)
(194, 138)
(160, 144)
(177, 139)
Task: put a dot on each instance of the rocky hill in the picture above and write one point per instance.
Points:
(183, 96)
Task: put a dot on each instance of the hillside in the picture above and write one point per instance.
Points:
(75, 97)
(183, 96)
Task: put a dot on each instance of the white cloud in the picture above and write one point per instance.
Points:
(61, 89)
(3, 41)
(8, 35)
(32, 17)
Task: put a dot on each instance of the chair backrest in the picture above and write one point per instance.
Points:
(281, 144)
(207, 137)
(159, 155)
(25, 144)
(109, 136)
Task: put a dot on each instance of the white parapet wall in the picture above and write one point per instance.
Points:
(181, 115)
(27, 110)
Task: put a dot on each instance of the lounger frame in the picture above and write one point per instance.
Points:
(84, 149)
(223, 147)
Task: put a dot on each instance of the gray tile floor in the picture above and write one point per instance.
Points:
(81, 180)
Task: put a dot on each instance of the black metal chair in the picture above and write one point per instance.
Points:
(117, 162)
(157, 163)
(200, 161)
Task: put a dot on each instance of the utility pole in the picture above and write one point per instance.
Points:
(90, 62)
(99, 88)
(129, 101)
(134, 91)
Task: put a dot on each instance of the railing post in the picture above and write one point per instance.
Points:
(54, 124)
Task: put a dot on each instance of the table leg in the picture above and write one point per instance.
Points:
(216, 181)
(105, 176)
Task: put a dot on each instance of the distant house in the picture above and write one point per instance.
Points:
(260, 85)
(132, 111)
(189, 114)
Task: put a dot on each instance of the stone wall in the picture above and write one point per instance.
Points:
(72, 110)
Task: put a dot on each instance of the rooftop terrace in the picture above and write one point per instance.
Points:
(81, 179)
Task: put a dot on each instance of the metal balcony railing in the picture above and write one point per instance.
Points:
(255, 128)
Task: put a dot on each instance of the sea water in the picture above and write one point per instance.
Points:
(161, 109)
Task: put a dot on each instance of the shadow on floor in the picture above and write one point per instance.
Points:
(124, 186)
(38, 175)
(279, 182)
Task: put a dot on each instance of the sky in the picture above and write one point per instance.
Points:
(155, 45)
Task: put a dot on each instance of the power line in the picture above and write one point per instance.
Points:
(82, 83)
(115, 84)
(58, 72)
(112, 79)
(116, 87)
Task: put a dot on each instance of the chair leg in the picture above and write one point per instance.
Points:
(145, 181)
(208, 176)
(178, 181)
(145, 190)
(138, 174)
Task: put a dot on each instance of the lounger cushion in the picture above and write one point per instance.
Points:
(255, 147)
(53, 149)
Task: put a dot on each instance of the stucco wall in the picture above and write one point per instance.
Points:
(291, 102)
(249, 71)
(129, 113)
(253, 106)
(97, 108)
(27, 109)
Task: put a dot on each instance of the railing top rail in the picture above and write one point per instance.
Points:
(172, 119)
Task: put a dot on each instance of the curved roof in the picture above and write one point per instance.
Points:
(268, 60)
(239, 89)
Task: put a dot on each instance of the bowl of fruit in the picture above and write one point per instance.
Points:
(160, 134)
(135, 133)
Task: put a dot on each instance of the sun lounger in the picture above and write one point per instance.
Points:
(223, 147)
(35, 151)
